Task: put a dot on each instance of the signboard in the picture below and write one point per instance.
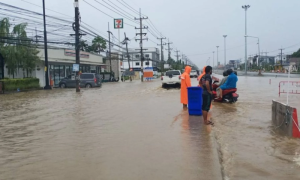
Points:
(75, 67)
(166, 66)
(73, 53)
(148, 73)
(118, 23)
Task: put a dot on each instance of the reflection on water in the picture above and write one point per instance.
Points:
(136, 130)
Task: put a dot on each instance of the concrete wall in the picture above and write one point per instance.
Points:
(285, 119)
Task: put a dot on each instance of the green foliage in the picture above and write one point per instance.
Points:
(99, 44)
(16, 48)
(296, 54)
(22, 84)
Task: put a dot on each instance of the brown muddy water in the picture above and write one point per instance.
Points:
(136, 131)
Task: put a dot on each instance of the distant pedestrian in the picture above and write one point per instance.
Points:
(185, 83)
(206, 84)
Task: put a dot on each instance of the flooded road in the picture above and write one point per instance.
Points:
(136, 131)
(127, 131)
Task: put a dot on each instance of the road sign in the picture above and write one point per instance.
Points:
(75, 67)
(118, 23)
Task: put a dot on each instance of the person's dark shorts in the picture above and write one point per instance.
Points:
(206, 102)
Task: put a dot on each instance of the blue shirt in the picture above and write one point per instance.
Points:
(230, 82)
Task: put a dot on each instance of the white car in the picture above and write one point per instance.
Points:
(193, 74)
(172, 77)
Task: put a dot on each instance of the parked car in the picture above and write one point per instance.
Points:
(87, 80)
(193, 74)
(172, 77)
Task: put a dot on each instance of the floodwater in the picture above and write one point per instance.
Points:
(136, 131)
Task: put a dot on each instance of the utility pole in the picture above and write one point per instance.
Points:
(47, 85)
(126, 43)
(169, 50)
(141, 41)
(217, 55)
(246, 7)
(177, 56)
(109, 48)
(281, 56)
(36, 36)
(161, 51)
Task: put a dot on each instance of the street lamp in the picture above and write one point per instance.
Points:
(246, 7)
(258, 47)
(213, 58)
(225, 50)
(217, 55)
(208, 61)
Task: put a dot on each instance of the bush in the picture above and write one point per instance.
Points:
(22, 84)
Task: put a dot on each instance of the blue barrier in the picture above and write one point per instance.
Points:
(195, 101)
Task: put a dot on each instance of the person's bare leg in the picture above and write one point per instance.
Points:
(208, 116)
(221, 93)
(184, 105)
(204, 113)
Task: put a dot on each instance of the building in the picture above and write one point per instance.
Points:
(233, 64)
(60, 65)
(151, 56)
(262, 60)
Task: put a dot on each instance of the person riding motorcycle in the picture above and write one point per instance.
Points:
(225, 74)
(230, 82)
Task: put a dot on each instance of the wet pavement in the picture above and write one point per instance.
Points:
(136, 130)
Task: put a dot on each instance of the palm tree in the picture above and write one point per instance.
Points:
(99, 44)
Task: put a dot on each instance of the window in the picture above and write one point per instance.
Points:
(147, 55)
(137, 63)
(147, 63)
(137, 56)
(86, 76)
(169, 73)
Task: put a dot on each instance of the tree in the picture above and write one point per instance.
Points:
(84, 46)
(16, 48)
(296, 54)
(99, 44)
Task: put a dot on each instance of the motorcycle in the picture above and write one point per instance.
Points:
(228, 95)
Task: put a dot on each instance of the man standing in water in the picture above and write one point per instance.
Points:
(206, 84)
(185, 83)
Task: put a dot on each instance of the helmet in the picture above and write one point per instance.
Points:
(229, 71)
(225, 73)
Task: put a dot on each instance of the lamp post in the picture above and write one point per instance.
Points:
(217, 55)
(213, 58)
(246, 7)
(225, 50)
(208, 61)
(258, 47)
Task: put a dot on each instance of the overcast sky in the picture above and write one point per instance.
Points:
(196, 27)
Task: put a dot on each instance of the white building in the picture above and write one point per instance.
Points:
(151, 59)
(61, 65)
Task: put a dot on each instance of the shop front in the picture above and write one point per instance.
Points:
(58, 71)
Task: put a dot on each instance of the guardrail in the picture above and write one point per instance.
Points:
(293, 83)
